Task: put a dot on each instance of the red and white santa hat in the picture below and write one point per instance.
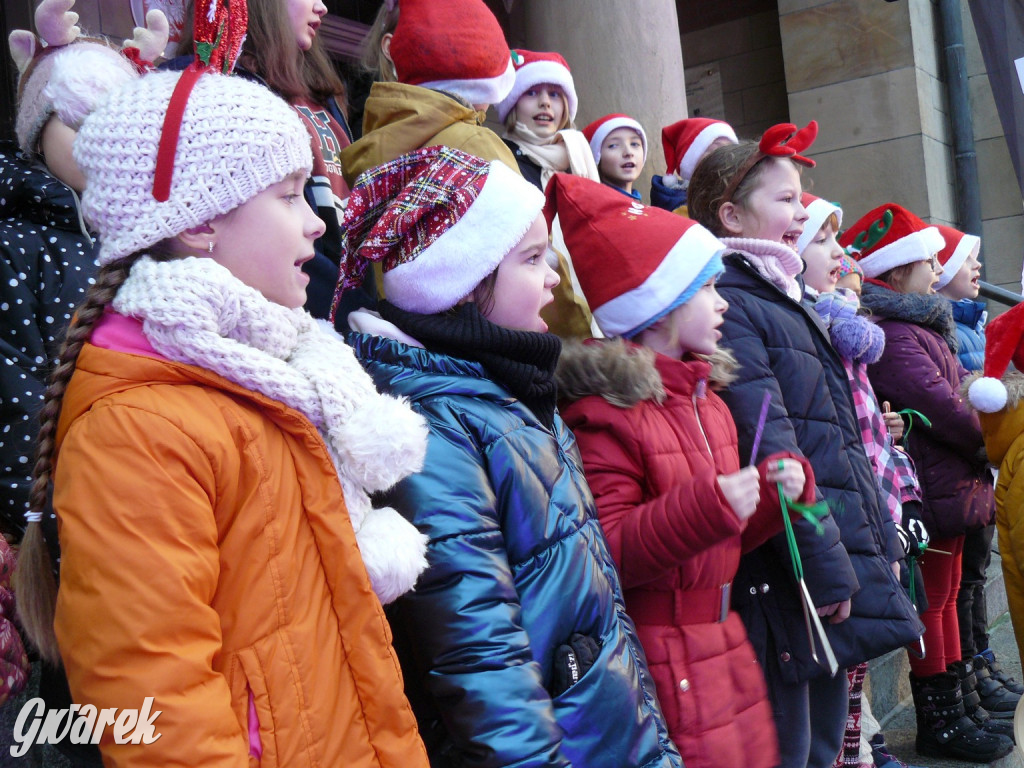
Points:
(598, 131)
(635, 263)
(439, 221)
(1003, 337)
(455, 46)
(890, 236)
(535, 68)
(818, 211)
(959, 245)
(686, 141)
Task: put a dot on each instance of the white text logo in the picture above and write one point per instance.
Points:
(82, 725)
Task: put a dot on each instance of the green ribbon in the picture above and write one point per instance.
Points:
(910, 414)
(812, 513)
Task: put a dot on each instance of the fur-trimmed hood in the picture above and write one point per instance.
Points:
(625, 374)
(929, 310)
(1004, 426)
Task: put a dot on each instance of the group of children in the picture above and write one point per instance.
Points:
(449, 538)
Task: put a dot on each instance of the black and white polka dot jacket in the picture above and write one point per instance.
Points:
(48, 263)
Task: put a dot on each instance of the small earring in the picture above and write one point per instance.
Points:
(209, 248)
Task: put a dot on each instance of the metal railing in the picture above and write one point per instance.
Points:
(1001, 295)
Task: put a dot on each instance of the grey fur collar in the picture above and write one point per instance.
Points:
(624, 374)
(929, 310)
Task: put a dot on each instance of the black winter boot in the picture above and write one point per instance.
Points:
(944, 730)
(964, 670)
(997, 672)
(998, 700)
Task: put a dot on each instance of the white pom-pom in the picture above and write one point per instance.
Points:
(988, 395)
(382, 442)
(672, 181)
(393, 551)
(82, 77)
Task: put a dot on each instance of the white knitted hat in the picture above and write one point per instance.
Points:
(236, 139)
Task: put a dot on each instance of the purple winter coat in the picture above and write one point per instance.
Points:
(919, 369)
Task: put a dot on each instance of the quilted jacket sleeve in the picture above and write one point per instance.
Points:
(139, 571)
(908, 376)
(472, 654)
(830, 575)
(648, 537)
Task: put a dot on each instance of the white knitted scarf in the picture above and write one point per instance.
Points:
(195, 311)
(566, 151)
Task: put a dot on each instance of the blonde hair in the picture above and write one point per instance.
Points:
(567, 122)
(373, 59)
(270, 51)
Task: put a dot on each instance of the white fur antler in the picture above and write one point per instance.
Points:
(56, 23)
(151, 39)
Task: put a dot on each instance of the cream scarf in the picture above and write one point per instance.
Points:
(195, 311)
(566, 152)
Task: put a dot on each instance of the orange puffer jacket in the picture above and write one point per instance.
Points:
(208, 561)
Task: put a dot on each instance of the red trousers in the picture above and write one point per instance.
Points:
(941, 574)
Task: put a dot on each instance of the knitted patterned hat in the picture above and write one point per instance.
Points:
(455, 46)
(534, 69)
(849, 266)
(635, 263)
(598, 131)
(959, 246)
(237, 138)
(66, 73)
(1003, 338)
(686, 142)
(890, 236)
(818, 211)
(438, 221)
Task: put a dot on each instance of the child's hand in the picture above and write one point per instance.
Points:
(893, 422)
(742, 490)
(791, 474)
(839, 612)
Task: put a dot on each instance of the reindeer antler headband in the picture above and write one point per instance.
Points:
(219, 32)
(783, 140)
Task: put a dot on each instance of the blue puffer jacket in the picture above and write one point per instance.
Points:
(970, 319)
(783, 348)
(518, 564)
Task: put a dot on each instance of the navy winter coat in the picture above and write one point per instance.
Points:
(48, 262)
(783, 349)
(919, 370)
(970, 316)
(517, 565)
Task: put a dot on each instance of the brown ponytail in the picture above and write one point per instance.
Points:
(34, 585)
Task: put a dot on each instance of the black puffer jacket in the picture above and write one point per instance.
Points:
(783, 349)
(47, 264)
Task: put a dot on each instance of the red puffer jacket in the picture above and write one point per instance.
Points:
(654, 438)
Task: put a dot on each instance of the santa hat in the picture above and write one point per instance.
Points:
(598, 131)
(634, 263)
(532, 69)
(959, 245)
(236, 139)
(888, 237)
(438, 221)
(686, 141)
(455, 46)
(818, 211)
(65, 73)
(1003, 338)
